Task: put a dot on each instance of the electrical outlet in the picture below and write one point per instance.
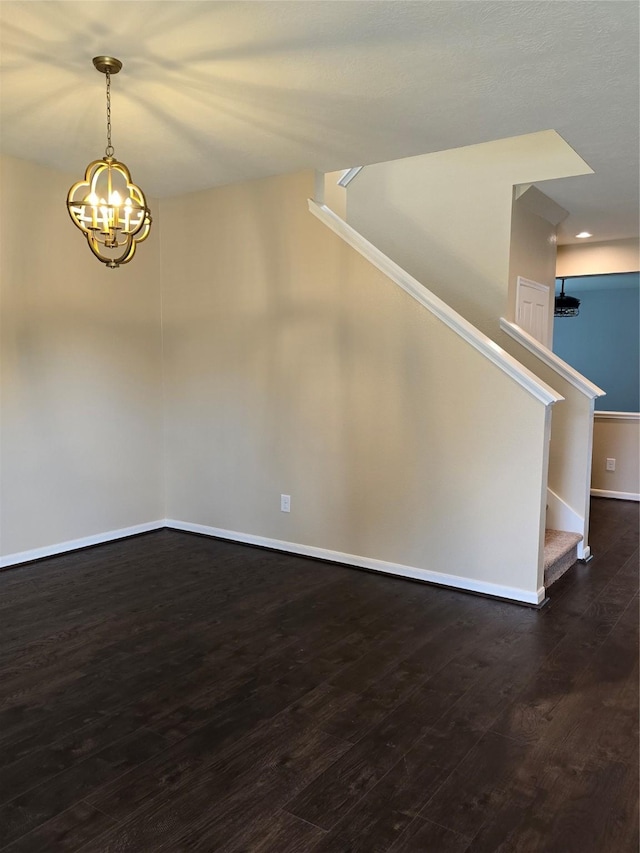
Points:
(285, 503)
(611, 464)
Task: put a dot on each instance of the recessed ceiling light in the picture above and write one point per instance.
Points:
(583, 235)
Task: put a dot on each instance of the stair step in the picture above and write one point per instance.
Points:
(560, 553)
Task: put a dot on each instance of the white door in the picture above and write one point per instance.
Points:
(533, 312)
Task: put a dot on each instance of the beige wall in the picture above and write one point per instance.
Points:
(616, 438)
(293, 366)
(450, 220)
(533, 256)
(532, 253)
(334, 196)
(446, 217)
(598, 258)
(80, 447)
(571, 434)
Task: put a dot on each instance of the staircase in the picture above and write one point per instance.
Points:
(560, 553)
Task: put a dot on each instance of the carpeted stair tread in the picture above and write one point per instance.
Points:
(560, 553)
(557, 543)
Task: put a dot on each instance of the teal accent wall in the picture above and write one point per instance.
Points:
(602, 342)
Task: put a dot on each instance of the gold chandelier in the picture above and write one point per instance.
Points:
(109, 209)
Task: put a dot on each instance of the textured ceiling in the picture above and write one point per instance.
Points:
(216, 92)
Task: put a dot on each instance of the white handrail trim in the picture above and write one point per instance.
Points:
(551, 360)
(525, 378)
(616, 416)
(348, 175)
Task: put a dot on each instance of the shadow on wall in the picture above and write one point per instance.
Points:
(456, 277)
(602, 342)
(325, 368)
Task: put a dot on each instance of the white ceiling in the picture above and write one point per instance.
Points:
(217, 92)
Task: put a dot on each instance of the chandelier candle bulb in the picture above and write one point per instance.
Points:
(92, 199)
(104, 179)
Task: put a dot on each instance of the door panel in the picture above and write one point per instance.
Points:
(533, 309)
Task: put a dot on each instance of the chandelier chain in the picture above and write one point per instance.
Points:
(109, 150)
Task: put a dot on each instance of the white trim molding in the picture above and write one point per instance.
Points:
(616, 416)
(560, 516)
(620, 496)
(75, 544)
(551, 360)
(439, 578)
(509, 365)
(348, 175)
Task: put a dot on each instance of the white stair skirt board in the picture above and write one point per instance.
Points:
(620, 496)
(560, 553)
(439, 578)
(75, 544)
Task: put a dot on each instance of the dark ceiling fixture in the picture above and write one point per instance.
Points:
(566, 306)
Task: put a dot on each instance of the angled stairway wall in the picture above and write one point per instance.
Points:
(295, 366)
(448, 219)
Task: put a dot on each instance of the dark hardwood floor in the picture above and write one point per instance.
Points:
(172, 692)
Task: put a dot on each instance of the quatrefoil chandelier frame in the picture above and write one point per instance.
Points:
(109, 209)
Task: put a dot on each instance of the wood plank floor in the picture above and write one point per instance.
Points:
(177, 693)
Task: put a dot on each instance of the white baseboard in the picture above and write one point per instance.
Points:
(621, 496)
(453, 581)
(583, 551)
(74, 544)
